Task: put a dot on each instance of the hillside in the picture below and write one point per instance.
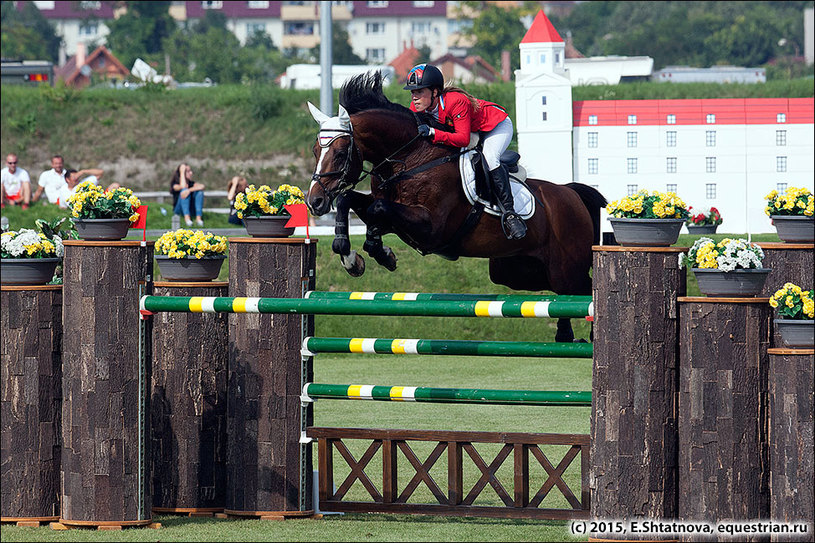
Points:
(139, 136)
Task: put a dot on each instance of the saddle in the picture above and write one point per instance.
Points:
(477, 183)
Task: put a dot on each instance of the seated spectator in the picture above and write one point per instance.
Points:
(73, 178)
(52, 181)
(236, 185)
(188, 195)
(16, 184)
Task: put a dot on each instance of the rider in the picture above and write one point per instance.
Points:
(464, 114)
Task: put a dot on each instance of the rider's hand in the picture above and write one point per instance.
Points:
(425, 131)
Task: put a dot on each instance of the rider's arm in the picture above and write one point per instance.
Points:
(457, 109)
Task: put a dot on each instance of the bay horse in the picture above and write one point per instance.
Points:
(416, 193)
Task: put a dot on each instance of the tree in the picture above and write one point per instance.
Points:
(27, 34)
(206, 49)
(139, 32)
(496, 29)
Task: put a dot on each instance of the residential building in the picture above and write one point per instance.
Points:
(101, 64)
(726, 153)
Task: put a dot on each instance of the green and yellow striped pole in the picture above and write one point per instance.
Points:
(314, 391)
(442, 296)
(315, 345)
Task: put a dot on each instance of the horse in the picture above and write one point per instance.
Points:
(416, 193)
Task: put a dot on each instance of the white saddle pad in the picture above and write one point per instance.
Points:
(524, 202)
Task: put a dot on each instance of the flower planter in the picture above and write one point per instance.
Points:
(700, 229)
(796, 334)
(102, 229)
(794, 228)
(646, 232)
(205, 268)
(732, 284)
(273, 226)
(28, 271)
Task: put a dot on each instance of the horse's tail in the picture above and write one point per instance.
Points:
(594, 202)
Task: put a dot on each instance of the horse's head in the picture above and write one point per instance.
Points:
(339, 162)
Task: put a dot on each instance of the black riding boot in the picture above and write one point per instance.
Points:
(515, 227)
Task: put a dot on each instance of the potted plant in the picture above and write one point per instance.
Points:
(732, 267)
(190, 255)
(262, 209)
(796, 311)
(29, 257)
(792, 214)
(703, 220)
(102, 215)
(647, 219)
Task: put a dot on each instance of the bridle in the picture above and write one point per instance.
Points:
(343, 184)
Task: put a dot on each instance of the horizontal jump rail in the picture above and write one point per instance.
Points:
(315, 345)
(314, 391)
(430, 308)
(442, 296)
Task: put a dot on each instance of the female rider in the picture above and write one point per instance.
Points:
(465, 114)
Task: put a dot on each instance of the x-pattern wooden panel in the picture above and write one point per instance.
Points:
(422, 472)
(488, 474)
(555, 476)
(357, 470)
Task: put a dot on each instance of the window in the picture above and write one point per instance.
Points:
(543, 100)
(780, 137)
(710, 118)
(212, 5)
(670, 164)
(781, 187)
(670, 138)
(257, 4)
(594, 166)
(88, 28)
(419, 27)
(593, 138)
(90, 5)
(423, 4)
(632, 119)
(631, 165)
(377, 4)
(374, 28)
(670, 119)
(781, 118)
(543, 116)
(557, 58)
(542, 59)
(375, 55)
(298, 29)
(631, 139)
(710, 138)
(631, 190)
(670, 187)
(592, 119)
(710, 164)
(710, 191)
(252, 28)
(781, 164)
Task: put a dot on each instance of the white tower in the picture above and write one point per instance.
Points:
(543, 101)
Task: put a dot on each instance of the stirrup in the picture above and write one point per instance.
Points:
(513, 226)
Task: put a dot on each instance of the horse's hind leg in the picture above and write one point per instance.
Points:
(564, 332)
(379, 252)
(351, 261)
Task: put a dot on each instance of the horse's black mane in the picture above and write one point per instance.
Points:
(364, 91)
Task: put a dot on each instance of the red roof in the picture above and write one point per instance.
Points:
(406, 60)
(541, 31)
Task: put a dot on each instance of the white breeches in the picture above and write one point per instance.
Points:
(496, 142)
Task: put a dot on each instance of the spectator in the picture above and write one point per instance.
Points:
(188, 195)
(236, 185)
(16, 184)
(52, 181)
(73, 178)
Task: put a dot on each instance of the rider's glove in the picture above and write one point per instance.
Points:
(425, 131)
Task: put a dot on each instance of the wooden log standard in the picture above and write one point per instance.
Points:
(790, 263)
(633, 428)
(269, 471)
(723, 472)
(105, 420)
(791, 419)
(188, 404)
(30, 403)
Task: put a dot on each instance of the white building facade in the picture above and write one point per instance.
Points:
(723, 153)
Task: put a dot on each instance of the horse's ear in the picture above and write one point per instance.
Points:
(318, 115)
(345, 118)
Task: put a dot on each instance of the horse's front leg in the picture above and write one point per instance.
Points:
(351, 261)
(373, 245)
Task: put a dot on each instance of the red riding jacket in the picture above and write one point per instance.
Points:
(456, 111)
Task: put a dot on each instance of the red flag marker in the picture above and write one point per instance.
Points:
(299, 216)
(142, 222)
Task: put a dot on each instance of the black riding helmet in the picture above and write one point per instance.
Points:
(424, 76)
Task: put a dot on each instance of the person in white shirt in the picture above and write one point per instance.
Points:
(52, 181)
(16, 184)
(73, 178)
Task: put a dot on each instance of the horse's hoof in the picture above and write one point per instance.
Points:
(581, 340)
(355, 268)
(388, 260)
